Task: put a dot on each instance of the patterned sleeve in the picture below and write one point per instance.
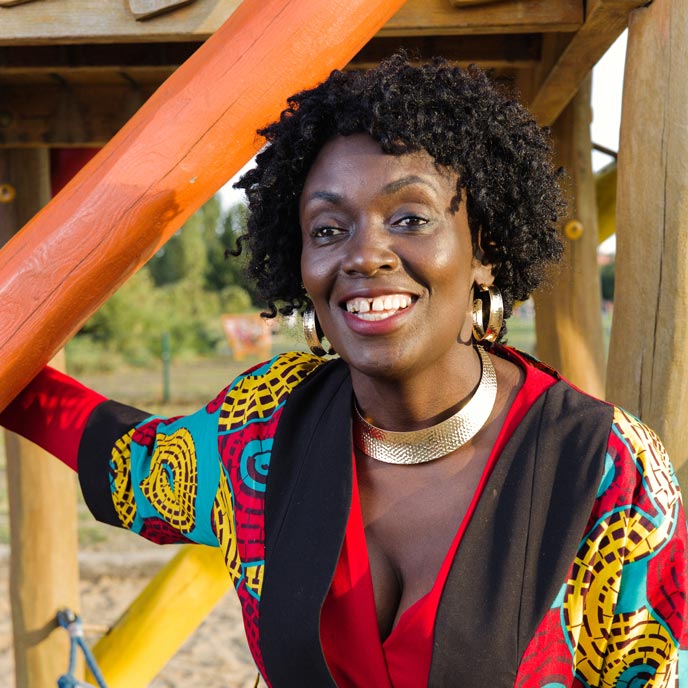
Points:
(620, 619)
(169, 479)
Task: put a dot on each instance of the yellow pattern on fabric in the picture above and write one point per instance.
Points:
(656, 471)
(255, 398)
(172, 482)
(254, 578)
(655, 649)
(225, 529)
(122, 494)
(603, 641)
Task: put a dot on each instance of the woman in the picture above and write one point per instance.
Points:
(420, 510)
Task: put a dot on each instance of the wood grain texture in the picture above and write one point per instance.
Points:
(176, 152)
(648, 357)
(469, 3)
(146, 9)
(12, 3)
(520, 51)
(438, 17)
(44, 574)
(83, 115)
(568, 312)
(110, 21)
(604, 22)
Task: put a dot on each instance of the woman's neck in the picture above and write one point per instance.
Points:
(421, 398)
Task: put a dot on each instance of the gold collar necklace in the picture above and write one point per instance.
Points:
(420, 446)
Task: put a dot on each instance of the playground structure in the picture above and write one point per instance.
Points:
(73, 76)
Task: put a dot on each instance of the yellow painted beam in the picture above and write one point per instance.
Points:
(170, 608)
(605, 186)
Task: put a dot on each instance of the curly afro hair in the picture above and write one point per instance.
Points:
(465, 123)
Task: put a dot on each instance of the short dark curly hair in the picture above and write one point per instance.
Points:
(463, 120)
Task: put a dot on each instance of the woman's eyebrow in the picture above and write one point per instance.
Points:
(328, 196)
(399, 184)
(387, 190)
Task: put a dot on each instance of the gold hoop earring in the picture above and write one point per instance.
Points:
(496, 317)
(311, 334)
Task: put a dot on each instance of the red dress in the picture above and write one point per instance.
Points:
(349, 622)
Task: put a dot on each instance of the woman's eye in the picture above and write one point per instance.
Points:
(411, 221)
(325, 232)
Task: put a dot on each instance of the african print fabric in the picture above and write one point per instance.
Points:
(155, 471)
(618, 619)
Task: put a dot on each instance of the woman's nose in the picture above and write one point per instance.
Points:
(369, 251)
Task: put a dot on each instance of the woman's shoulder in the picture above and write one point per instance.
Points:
(625, 434)
(637, 460)
(291, 367)
(264, 388)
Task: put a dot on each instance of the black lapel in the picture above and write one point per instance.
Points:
(521, 540)
(307, 502)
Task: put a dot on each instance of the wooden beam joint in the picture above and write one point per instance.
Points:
(604, 22)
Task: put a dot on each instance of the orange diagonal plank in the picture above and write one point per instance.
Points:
(179, 148)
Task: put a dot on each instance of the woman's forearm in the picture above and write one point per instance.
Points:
(52, 412)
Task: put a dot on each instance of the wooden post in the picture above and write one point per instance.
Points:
(44, 575)
(568, 307)
(648, 356)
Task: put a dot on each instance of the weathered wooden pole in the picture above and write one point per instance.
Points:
(648, 356)
(44, 575)
(175, 152)
(568, 308)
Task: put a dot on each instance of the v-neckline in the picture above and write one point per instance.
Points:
(403, 659)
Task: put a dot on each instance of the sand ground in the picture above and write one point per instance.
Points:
(215, 656)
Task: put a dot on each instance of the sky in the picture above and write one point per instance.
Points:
(607, 85)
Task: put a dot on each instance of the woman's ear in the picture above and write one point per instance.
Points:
(483, 273)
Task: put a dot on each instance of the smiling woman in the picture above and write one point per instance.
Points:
(379, 231)
(430, 507)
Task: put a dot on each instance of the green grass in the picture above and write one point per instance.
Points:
(521, 333)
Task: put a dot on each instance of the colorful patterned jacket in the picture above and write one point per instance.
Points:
(572, 571)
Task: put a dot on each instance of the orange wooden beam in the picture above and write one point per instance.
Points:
(185, 142)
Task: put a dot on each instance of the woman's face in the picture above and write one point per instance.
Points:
(387, 257)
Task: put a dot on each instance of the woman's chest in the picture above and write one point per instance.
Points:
(411, 517)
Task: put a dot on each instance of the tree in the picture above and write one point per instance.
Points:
(183, 290)
(185, 256)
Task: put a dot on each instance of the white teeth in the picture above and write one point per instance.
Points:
(379, 307)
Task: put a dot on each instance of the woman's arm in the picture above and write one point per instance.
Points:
(52, 411)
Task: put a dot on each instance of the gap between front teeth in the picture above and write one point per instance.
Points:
(380, 305)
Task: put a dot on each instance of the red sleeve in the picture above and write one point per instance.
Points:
(52, 411)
